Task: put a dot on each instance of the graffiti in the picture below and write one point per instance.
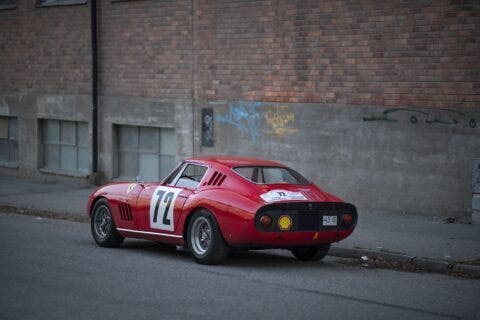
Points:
(426, 115)
(245, 117)
(207, 127)
(281, 120)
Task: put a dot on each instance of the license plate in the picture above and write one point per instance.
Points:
(329, 220)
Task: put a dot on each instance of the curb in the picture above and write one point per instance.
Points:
(374, 258)
(403, 261)
(76, 217)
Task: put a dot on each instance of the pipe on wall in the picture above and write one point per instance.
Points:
(93, 21)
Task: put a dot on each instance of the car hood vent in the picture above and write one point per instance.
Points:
(216, 179)
(125, 212)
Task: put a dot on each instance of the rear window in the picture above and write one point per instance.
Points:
(271, 175)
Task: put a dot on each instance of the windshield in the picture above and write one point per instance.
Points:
(271, 175)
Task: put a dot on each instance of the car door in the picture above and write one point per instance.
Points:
(160, 205)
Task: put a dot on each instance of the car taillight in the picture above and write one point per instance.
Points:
(266, 221)
(347, 219)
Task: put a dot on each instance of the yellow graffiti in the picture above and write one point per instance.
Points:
(281, 120)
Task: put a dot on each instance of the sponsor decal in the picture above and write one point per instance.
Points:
(285, 223)
(280, 195)
(130, 188)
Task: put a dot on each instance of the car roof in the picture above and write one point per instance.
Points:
(234, 161)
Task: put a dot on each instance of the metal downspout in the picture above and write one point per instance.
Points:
(93, 21)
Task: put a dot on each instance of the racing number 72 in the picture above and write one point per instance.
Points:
(167, 201)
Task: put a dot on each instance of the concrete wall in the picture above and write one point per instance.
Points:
(143, 112)
(381, 159)
(29, 109)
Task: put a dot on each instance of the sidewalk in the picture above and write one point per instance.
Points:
(423, 242)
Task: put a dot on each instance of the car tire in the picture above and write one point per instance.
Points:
(311, 253)
(205, 240)
(103, 227)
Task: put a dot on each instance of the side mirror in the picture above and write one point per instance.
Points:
(139, 179)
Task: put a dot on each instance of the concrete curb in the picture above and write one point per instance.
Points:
(389, 259)
(76, 217)
(409, 262)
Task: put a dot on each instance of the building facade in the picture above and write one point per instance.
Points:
(376, 101)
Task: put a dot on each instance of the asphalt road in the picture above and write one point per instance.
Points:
(52, 269)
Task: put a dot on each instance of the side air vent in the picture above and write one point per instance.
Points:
(216, 179)
(125, 212)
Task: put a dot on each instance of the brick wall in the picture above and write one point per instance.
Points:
(391, 53)
(414, 53)
(45, 50)
(146, 49)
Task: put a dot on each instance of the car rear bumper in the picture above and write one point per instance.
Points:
(286, 239)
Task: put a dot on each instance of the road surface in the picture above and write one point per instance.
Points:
(52, 269)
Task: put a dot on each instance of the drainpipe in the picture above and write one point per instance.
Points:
(93, 21)
(192, 14)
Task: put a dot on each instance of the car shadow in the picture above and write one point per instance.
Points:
(238, 258)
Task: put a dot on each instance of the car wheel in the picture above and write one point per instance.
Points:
(103, 227)
(205, 240)
(311, 253)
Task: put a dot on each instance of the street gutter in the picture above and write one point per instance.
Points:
(368, 258)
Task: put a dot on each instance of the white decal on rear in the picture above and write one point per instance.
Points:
(161, 208)
(280, 195)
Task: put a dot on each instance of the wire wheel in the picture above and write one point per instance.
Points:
(102, 222)
(205, 240)
(201, 235)
(103, 227)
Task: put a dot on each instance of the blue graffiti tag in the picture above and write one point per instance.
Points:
(245, 117)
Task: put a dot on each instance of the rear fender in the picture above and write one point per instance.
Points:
(233, 212)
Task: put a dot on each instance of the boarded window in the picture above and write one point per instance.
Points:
(65, 145)
(146, 151)
(8, 140)
(7, 4)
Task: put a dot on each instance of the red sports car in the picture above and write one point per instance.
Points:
(213, 204)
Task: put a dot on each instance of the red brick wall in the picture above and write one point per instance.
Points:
(416, 53)
(146, 49)
(45, 50)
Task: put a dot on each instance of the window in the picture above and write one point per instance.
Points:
(169, 180)
(7, 4)
(146, 151)
(271, 175)
(50, 3)
(65, 145)
(8, 141)
(191, 176)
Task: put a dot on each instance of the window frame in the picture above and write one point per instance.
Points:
(294, 173)
(179, 176)
(118, 150)
(174, 174)
(60, 3)
(9, 6)
(43, 143)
